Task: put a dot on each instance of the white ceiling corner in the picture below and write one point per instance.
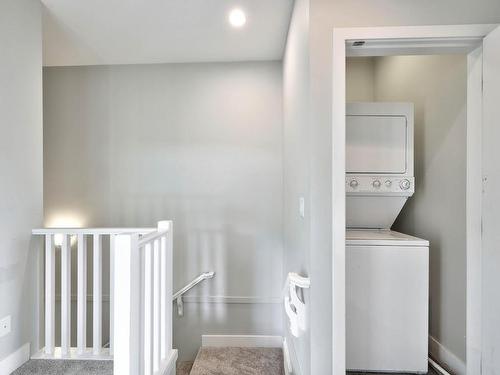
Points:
(101, 32)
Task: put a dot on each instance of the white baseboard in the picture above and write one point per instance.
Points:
(74, 355)
(246, 341)
(445, 357)
(170, 365)
(287, 360)
(15, 360)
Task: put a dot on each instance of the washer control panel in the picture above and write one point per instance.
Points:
(371, 184)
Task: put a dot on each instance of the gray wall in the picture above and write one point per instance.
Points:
(20, 164)
(200, 144)
(437, 85)
(360, 79)
(325, 15)
(296, 166)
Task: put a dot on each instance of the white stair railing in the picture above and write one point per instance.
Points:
(143, 307)
(60, 240)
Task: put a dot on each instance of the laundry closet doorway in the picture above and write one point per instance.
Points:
(481, 44)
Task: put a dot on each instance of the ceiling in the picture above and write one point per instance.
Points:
(95, 32)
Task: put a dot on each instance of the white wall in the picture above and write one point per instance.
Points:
(437, 85)
(325, 15)
(296, 167)
(200, 144)
(20, 164)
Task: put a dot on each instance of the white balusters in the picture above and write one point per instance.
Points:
(155, 352)
(97, 293)
(140, 296)
(50, 294)
(65, 295)
(82, 294)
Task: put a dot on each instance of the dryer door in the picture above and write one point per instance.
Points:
(376, 144)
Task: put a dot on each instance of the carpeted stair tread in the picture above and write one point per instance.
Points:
(58, 367)
(238, 361)
(184, 367)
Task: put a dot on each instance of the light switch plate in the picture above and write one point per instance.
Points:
(302, 207)
(5, 326)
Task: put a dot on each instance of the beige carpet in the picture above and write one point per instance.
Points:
(184, 368)
(238, 361)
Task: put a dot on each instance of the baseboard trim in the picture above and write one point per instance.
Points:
(15, 359)
(74, 355)
(245, 341)
(169, 367)
(445, 358)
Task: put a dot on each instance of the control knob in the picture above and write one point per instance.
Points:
(388, 183)
(354, 184)
(404, 184)
(376, 184)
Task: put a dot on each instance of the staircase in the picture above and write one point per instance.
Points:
(209, 361)
(234, 361)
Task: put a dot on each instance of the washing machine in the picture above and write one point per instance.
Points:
(387, 292)
(387, 273)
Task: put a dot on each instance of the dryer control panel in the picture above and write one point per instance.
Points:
(375, 185)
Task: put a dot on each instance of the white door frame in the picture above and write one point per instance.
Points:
(430, 34)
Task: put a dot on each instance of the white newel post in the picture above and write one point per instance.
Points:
(97, 292)
(170, 286)
(82, 294)
(111, 292)
(165, 302)
(65, 295)
(50, 293)
(156, 305)
(127, 301)
(147, 308)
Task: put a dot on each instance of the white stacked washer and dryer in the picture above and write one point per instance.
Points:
(387, 273)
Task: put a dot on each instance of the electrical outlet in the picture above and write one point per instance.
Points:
(5, 326)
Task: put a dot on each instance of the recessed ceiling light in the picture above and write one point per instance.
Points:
(237, 18)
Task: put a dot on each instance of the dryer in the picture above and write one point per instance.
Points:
(379, 162)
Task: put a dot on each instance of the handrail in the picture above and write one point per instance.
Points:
(295, 279)
(297, 314)
(300, 281)
(150, 237)
(40, 231)
(193, 283)
(178, 295)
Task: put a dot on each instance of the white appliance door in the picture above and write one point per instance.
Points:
(387, 293)
(491, 205)
(376, 144)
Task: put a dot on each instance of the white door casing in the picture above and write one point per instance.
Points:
(491, 206)
(481, 284)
